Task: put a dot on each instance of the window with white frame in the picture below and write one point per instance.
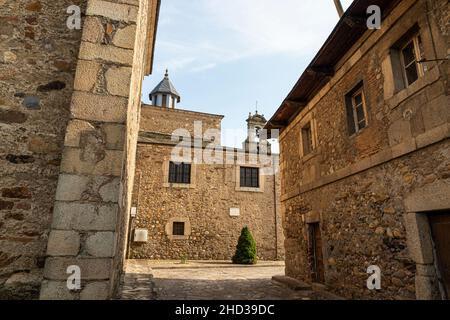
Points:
(357, 112)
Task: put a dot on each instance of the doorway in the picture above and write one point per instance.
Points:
(440, 230)
(315, 253)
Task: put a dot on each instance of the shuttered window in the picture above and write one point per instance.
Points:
(249, 177)
(179, 173)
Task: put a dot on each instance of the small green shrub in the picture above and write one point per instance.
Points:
(245, 249)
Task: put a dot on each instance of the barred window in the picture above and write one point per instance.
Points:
(179, 173)
(178, 229)
(249, 177)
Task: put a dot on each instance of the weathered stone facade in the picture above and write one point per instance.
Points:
(85, 85)
(204, 204)
(37, 67)
(369, 191)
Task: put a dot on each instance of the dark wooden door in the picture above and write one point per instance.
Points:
(440, 228)
(315, 253)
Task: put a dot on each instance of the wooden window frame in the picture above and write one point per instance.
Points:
(415, 40)
(356, 121)
(308, 147)
(353, 125)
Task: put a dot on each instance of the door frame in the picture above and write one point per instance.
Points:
(419, 204)
(314, 218)
(317, 267)
(443, 286)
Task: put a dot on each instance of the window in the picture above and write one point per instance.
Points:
(164, 100)
(411, 53)
(249, 177)
(357, 115)
(359, 110)
(179, 173)
(307, 139)
(178, 229)
(405, 56)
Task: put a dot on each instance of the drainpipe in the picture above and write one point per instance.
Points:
(339, 8)
(275, 205)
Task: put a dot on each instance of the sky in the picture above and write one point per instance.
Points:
(224, 55)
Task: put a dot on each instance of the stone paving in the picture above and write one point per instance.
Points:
(206, 280)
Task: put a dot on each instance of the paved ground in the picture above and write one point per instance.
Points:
(205, 280)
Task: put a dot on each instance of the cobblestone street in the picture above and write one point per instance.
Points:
(206, 280)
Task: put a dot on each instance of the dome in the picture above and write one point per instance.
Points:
(166, 87)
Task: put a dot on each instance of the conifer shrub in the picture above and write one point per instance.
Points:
(245, 249)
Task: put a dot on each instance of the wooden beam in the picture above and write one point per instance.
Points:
(295, 104)
(321, 71)
(277, 124)
(356, 22)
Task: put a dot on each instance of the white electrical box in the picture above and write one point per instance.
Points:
(235, 212)
(140, 235)
(133, 212)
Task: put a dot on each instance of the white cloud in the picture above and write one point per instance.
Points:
(204, 67)
(268, 26)
(197, 35)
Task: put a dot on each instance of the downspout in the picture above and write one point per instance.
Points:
(275, 205)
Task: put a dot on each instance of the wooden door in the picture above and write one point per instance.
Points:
(440, 229)
(315, 253)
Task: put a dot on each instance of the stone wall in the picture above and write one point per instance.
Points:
(37, 67)
(48, 77)
(362, 224)
(356, 185)
(165, 120)
(205, 205)
(91, 211)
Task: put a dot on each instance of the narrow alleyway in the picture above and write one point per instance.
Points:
(206, 280)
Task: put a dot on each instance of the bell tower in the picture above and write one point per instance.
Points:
(255, 123)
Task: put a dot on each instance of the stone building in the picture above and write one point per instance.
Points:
(69, 114)
(196, 209)
(365, 155)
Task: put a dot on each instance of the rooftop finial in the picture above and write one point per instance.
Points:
(256, 106)
(167, 73)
